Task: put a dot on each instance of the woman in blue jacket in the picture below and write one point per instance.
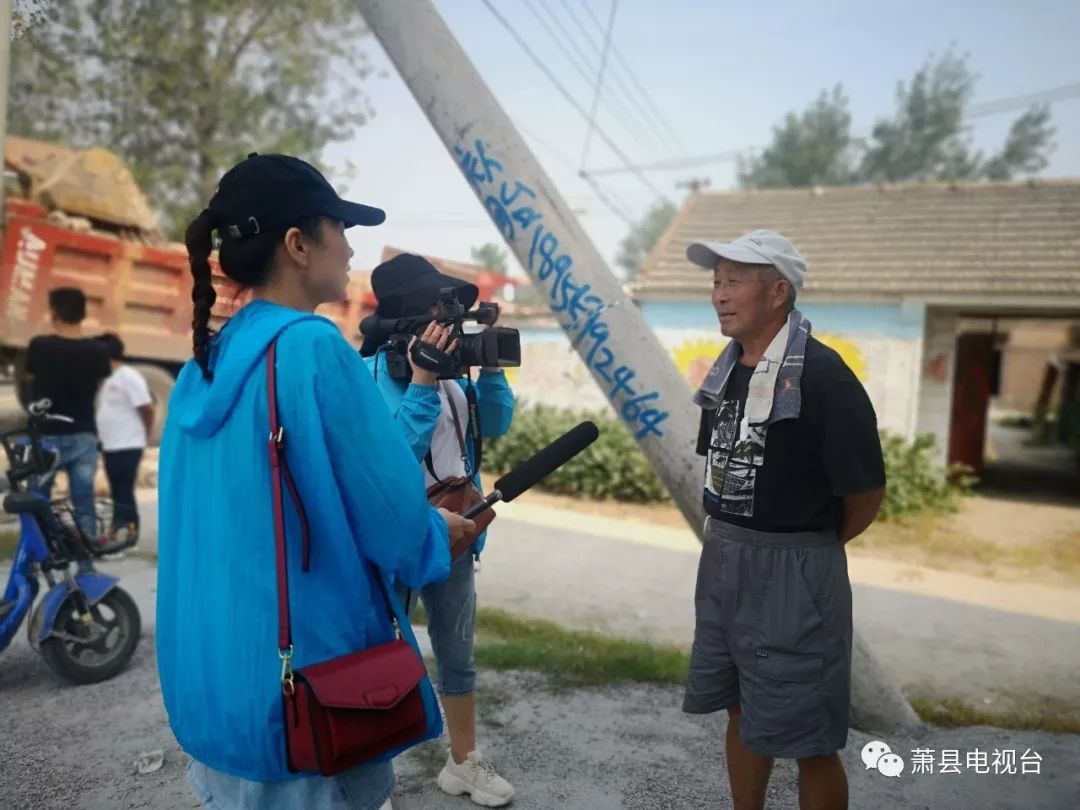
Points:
(424, 408)
(281, 227)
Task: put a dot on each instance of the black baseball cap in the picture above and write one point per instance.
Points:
(274, 192)
(409, 284)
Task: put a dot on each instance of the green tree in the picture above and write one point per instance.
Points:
(925, 139)
(1026, 147)
(635, 246)
(813, 148)
(182, 90)
(491, 256)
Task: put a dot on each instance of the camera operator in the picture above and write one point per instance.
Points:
(436, 418)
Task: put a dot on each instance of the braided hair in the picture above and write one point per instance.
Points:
(248, 261)
(199, 241)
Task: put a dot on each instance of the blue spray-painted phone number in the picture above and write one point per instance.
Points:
(510, 206)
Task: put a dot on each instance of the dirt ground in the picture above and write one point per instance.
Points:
(73, 748)
(994, 536)
(618, 747)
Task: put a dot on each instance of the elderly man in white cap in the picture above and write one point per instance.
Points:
(793, 472)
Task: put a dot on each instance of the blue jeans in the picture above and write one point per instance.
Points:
(451, 610)
(365, 787)
(79, 459)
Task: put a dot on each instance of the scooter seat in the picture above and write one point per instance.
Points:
(17, 503)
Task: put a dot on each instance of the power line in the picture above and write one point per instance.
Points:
(1010, 104)
(558, 154)
(613, 204)
(676, 163)
(1048, 96)
(653, 119)
(642, 123)
(571, 100)
(585, 70)
(659, 116)
(599, 83)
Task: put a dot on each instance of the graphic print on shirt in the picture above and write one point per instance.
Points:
(736, 451)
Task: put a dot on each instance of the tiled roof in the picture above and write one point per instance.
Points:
(891, 242)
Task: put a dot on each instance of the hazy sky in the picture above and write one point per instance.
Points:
(721, 73)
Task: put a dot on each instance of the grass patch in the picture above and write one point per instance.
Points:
(954, 713)
(1061, 553)
(572, 657)
(939, 546)
(8, 541)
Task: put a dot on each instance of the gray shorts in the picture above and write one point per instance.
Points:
(773, 637)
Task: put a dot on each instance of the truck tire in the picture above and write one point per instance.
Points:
(161, 383)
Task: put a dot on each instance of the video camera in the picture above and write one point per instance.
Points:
(494, 347)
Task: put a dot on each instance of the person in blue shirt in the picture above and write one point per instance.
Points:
(281, 230)
(425, 409)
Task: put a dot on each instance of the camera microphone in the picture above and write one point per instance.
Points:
(534, 469)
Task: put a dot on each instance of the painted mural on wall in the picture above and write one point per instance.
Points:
(694, 357)
(884, 353)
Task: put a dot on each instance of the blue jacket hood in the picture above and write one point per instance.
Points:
(201, 406)
(368, 519)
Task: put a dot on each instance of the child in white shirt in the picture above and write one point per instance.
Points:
(125, 417)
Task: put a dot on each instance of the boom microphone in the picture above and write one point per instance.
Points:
(536, 468)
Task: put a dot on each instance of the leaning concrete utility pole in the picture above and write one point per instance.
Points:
(604, 325)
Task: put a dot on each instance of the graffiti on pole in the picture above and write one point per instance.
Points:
(511, 205)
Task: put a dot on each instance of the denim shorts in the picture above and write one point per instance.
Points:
(451, 610)
(366, 787)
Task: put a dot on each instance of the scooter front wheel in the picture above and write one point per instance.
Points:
(89, 653)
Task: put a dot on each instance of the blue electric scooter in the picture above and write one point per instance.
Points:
(85, 627)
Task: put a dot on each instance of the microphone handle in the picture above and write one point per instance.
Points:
(479, 507)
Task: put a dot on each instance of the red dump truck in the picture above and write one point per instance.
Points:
(76, 218)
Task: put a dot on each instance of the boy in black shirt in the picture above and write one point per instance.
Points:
(793, 471)
(68, 369)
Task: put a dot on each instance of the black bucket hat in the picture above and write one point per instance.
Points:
(408, 285)
(274, 192)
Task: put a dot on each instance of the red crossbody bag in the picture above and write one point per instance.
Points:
(351, 709)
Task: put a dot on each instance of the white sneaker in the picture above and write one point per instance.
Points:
(477, 777)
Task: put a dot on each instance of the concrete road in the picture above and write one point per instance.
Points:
(1003, 645)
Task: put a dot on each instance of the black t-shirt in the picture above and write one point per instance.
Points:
(797, 478)
(68, 371)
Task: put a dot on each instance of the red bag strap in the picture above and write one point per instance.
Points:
(279, 471)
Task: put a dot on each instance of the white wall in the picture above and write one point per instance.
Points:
(936, 378)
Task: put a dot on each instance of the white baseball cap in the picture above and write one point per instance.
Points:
(757, 247)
